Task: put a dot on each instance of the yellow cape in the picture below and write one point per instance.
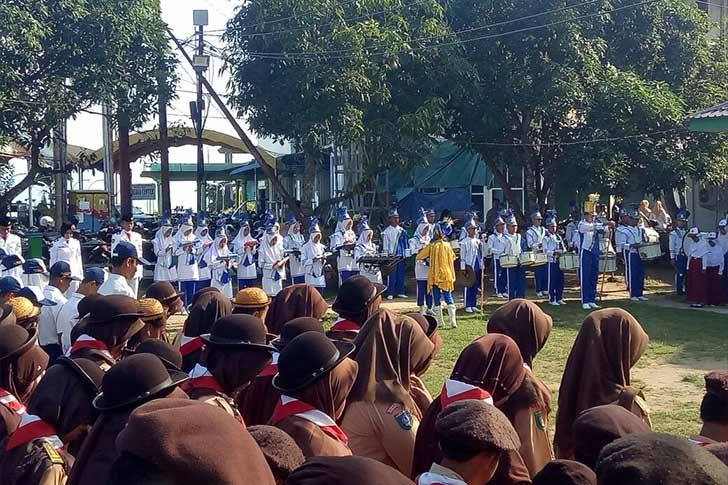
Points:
(442, 265)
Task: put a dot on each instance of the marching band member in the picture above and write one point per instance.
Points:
(185, 248)
(202, 233)
(471, 255)
(127, 234)
(713, 268)
(366, 247)
(723, 243)
(165, 268)
(420, 239)
(221, 258)
(635, 271)
(292, 243)
(394, 243)
(677, 251)
(571, 238)
(515, 245)
(621, 234)
(470, 215)
(431, 219)
(696, 249)
(497, 245)
(67, 248)
(589, 232)
(344, 236)
(246, 247)
(534, 242)
(272, 258)
(441, 279)
(554, 247)
(313, 255)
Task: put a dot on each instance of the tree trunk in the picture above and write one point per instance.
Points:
(7, 198)
(166, 206)
(508, 194)
(124, 164)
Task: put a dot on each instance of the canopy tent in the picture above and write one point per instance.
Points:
(187, 172)
(710, 120)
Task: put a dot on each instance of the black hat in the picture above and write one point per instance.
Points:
(15, 340)
(134, 380)
(110, 308)
(307, 358)
(356, 294)
(167, 353)
(126, 250)
(163, 291)
(127, 217)
(35, 295)
(62, 269)
(296, 327)
(240, 330)
(9, 284)
(5, 221)
(88, 370)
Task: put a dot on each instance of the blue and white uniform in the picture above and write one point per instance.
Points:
(293, 241)
(421, 238)
(677, 254)
(497, 245)
(394, 243)
(186, 247)
(246, 247)
(271, 253)
(515, 245)
(554, 246)
(344, 236)
(534, 241)
(313, 255)
(221, 258)
(723, 243)
(202, 233)
(634, 270)
(165, 269)
(589, 251)
(471, 254)
(366, 247)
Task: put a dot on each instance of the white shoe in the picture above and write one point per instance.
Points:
(468, 310)
(561, 302)
(451, 313)
(504, 296)
(594, 305)
(554, 303)
(540, 293)
(401, 296)
(390, 297)
(423, 310)
(439, 317)
(586, 306)
(643, 298)
(634, 298)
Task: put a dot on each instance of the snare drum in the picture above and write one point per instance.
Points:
(527, 258)
(650, 251)
(569, 262)
(539, 259)
(608, 263)
(508, 261)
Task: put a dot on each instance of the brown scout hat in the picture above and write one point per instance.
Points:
(163, 291)
(477, 426)
(280, 450)
(15, 340)
(565, 472)
(356, 294)
(296, 327)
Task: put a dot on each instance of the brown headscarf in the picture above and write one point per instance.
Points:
(19, 375)
(351, 470)
(493, 363)
(207, 308)
(524, 322)
(430, 331)
(389, 349)
(292, 302)
(609, 343)
(565, 472)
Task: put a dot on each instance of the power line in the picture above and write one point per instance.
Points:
(571, 143)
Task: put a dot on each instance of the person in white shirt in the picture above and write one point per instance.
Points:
(67, 317)
(35, 273)
(631, 238)
(67, 248)
(49, 336)
(342, 242)
(222, 260)
(11, 245)
(246, 247)
(714, 269)
(313, 255)
(554, 247)
(420, 239)
(186, 247)
(696, 283)
(272, 258)
(723, 243)
(204, 263)
(534, 242)
(589, 251)
(366, 247)
(124, 262)
(292, 243)
(164, 269)
(12, 265)
(394, 243)
(678, 256)
(571, 238)
(515, 245)
(497, 244)
(128, 234)
(471, 256)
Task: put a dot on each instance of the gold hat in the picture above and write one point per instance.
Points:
(151, 307)
(23, 308)
(251, 298)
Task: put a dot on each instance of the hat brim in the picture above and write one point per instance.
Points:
(380, 289)
(250, 305)
(345, 349)
(32, 337)
(71, 364)
(121, 316)
(100, 403)
(209, 339)
(5, 310)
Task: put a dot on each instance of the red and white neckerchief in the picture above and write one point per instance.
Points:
(430, 478)
(189, 345)
(32, 427)
(289, 406)
(344, 325)
(272, 368)
(201, 378)
(88, 342)
(454, 391)
(11, 402)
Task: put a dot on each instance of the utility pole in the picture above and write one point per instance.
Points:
(108, 156)
(59, 170)
(201, 62)
(166, 206)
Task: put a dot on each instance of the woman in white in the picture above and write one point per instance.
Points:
(165, 269)
(366, 247)
(313, 255)
(272, 259)
(246, 247)
(221, 258)
(292, 243)
(202, 233)
(185, 248)
(344, 236)
(67, 248)
(417, 243)
(660, 215)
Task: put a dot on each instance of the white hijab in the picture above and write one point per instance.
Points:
(364, 239)
(271, 252)
(160, 239)
(180, 238)
(206, 237)
(217, 252)
(242, 238)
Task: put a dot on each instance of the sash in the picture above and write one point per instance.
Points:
(454, 391)
(31, 427)
(343, 325)
(189, 345)
(88, 342)
(201, 378)
(430, 478)
(288, 406)
(272, 368)
(11, 402)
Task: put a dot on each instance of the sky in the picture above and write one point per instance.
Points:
(86, 131)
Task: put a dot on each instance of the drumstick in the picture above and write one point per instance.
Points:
(482, 287)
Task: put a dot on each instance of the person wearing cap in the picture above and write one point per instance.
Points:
(419, 240)
(394, 243)
(678, 254)
(124, 264)
(696, 249)
(342, 243)
(12, 265)
(204, 261)
(51, 431)
(222, 262)
(26, 313)
(313, 255)
(280, 450)
(496, 245)
(471, 259)
(534, 242)
(167, 295)
(10, 244)
(441, 279)
(67, 248)
(188, 270)
(714, 410)
(49, 331)
(357, 300)
(628, 240)
(136, 380)
(292, 243)
(68, 316)
(714, 270)
(35, 273)
(314, 378)
(9, 286)
(165, 268)
(235, 352)
(246, 247)
(589, 232)
(127, 234)
(111, 322)
(554, 247)
(251, 301)
(515, 245)
(272, 258)
(472, 436)
(365, 247)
